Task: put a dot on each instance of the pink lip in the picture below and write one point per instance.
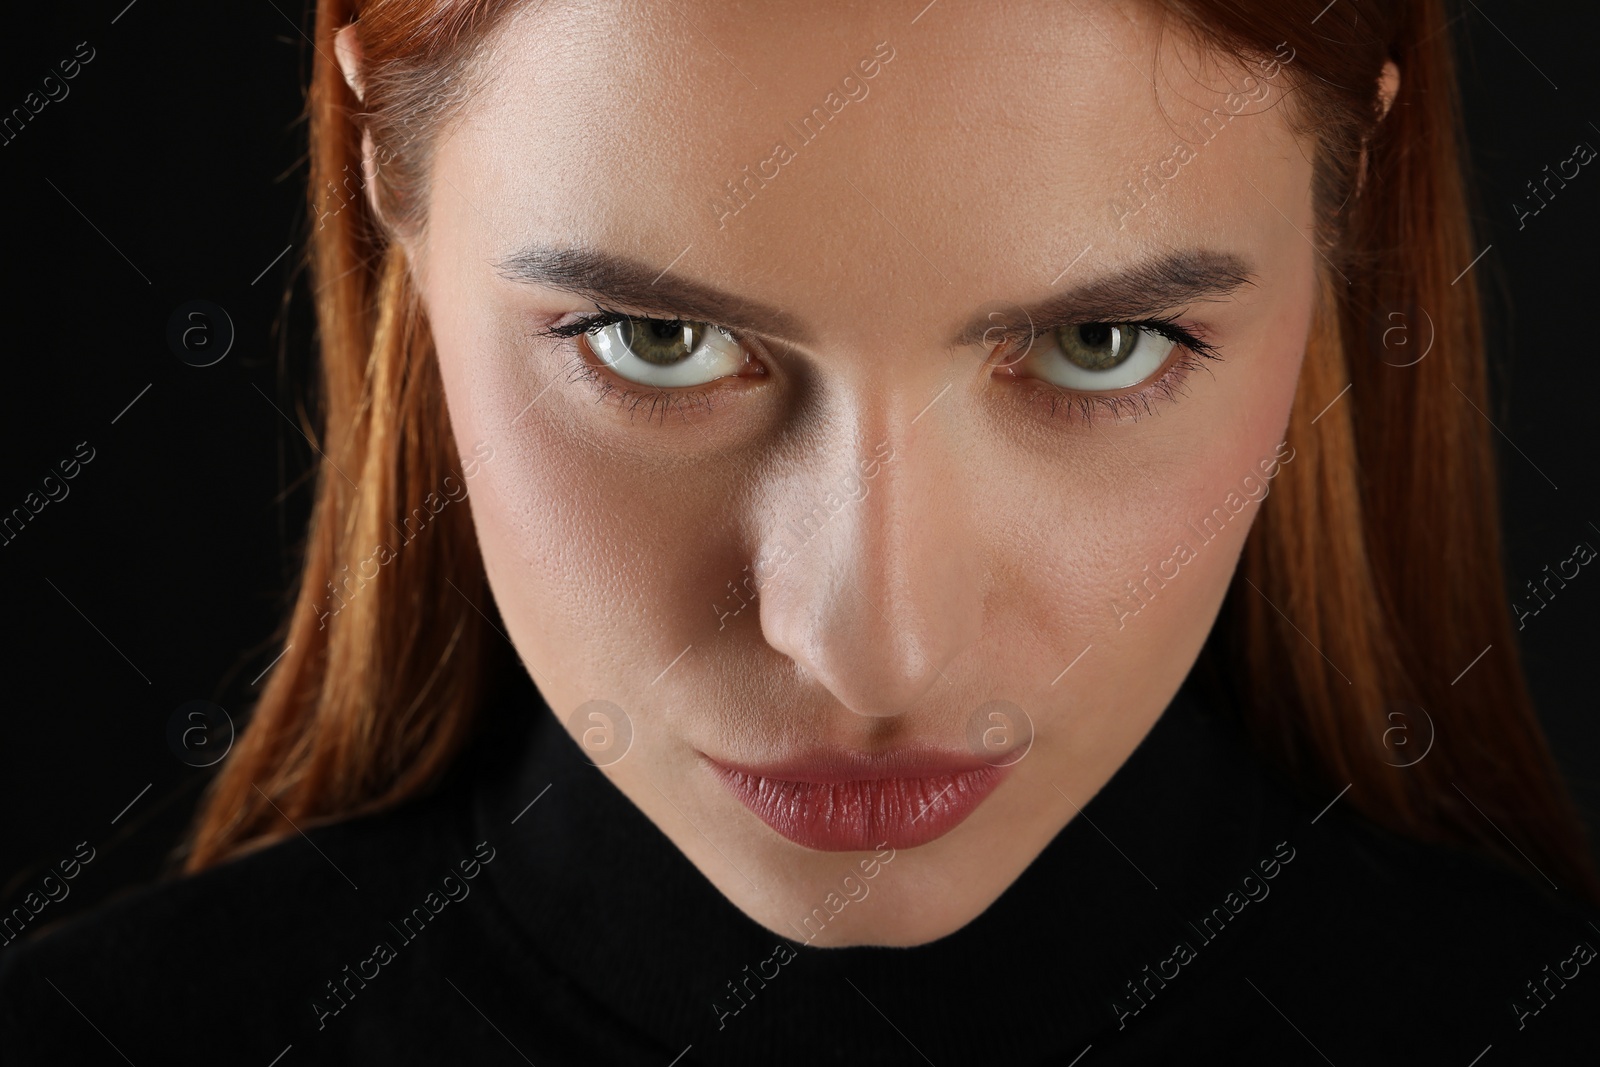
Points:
(847, 802)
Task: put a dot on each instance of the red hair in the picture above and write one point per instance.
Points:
(1383, 546)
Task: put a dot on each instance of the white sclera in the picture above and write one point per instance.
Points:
(1149, 355)
(716, 355)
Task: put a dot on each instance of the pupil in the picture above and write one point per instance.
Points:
(1095, 334)
(662, 342)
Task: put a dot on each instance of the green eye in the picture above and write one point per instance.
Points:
(666, 352)
(661, 342)
(1097, 346)
(1098, 356)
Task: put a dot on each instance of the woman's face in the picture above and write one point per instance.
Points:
(907, 454)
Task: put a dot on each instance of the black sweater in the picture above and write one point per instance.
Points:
(1197, 912)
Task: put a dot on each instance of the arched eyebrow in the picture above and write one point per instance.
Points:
(1143, 291)
(632, 285)
(1138, 292)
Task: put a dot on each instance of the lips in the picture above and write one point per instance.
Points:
(845, 802)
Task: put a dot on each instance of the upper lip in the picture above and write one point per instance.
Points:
(830, 765)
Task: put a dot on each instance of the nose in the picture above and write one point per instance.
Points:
(883, 586)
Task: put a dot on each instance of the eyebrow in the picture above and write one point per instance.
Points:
(604, 277)
(1141, 291)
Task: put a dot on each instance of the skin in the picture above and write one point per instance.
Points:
(986, 556)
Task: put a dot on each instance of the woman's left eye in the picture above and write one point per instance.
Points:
(1095, 357)
(666, 352)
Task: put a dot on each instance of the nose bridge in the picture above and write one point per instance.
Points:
(881, 588)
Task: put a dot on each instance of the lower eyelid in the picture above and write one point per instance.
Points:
(1136, 402)
(631, 396)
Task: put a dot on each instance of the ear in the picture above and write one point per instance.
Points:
(1388, 87)
(347, 49)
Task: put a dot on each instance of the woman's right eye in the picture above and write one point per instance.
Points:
(666, 352)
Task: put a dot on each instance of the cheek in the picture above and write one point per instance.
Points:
(1125, 539)
(599, 561)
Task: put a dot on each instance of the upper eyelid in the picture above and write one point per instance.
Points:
(1190, 338)
(1010, 331)
(1171, 321)
(601, 311)
(603, 316)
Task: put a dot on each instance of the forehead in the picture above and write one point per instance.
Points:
(827, 149)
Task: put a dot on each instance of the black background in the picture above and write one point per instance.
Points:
(174, 171)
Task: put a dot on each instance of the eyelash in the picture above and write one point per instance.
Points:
(661, 402)
(1193, 350)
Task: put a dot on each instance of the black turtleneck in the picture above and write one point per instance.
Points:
(527, 912)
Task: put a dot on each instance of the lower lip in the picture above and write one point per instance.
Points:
(859, 815)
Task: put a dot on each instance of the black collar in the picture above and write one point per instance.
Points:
(1082, 936)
